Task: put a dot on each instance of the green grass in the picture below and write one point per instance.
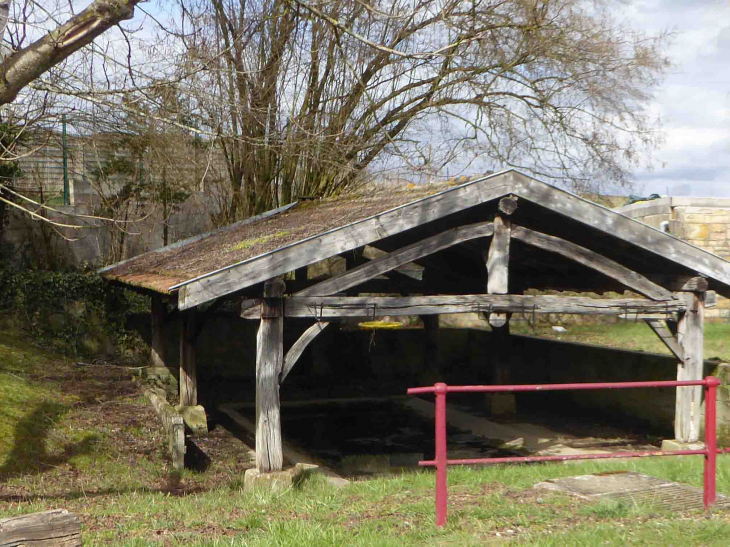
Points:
(631, 336)
(77, 438)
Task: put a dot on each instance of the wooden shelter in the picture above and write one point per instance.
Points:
(481, 245)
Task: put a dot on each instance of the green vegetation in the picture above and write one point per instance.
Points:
(630, 335)
(246, 243)
(81, 438)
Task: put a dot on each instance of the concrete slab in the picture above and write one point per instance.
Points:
(633, 487)
(520, 437)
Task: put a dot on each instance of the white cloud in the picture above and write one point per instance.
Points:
(694, 101)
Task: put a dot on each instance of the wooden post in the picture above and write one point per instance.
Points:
(431, 361)
(690, 334)
(188, 367)
(500, 404)
(269, 364)
(498, 266)
(159, 315)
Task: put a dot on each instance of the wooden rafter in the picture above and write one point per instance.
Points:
(292, 356)
(394, 259)
(661, 329)
(593, 260)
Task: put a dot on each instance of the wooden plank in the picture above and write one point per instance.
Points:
(188, 365)
(342, 239)
(691, 338)
(498, 266)
(56, 528)
(269, 363)
(390, 261)
(334, 307)
(622, 227)
(292, 356)
(593, 260)
(159, 316)
(660, 328)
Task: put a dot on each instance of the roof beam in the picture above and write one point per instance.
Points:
(334, 307)
(593, 260)
(394, 259)
(340, 240)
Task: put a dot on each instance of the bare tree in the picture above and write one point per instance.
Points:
(304, 97)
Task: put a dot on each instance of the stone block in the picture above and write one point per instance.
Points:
(194, 418)
(500, 404)
(276, 481)
(718, 228)
(697, 231)
(304, 469)
(669, 445)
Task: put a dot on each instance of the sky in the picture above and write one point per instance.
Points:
(694, 100)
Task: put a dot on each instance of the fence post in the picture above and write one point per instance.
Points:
(710, 483)
(441, 457)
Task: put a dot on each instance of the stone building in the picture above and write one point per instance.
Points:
(704, 222)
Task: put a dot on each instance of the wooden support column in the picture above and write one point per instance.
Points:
(159, 316)
(269, 365)
(431, 372)
(690, 334)
(500, 404)
(188, 366)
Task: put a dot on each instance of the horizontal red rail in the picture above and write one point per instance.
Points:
(607, 455)
(441, 461)
(556, 387)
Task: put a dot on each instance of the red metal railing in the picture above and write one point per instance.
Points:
(441, 462)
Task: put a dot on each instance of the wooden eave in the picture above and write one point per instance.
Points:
(542, 208)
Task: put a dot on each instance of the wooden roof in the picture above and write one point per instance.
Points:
(247, 253)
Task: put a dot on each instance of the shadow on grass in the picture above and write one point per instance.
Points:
(30, 443)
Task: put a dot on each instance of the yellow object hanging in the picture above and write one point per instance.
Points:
(380, 325)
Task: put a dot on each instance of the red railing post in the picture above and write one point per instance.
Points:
(710, 484)
(441, 457)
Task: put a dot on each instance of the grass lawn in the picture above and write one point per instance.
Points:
(630, 335)
(80, 437)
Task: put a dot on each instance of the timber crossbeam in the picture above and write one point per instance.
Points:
(335, 307)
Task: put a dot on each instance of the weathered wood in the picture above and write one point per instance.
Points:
(333, 307)
(172, 423)
(292, 356)
(431, 356)
(498, 266)
(269, 363)
(692, 284)
(508, 205)
(661, 329)
(691, 338)
(621, 227)
(340, 240)
(159, 315)
(398, 258)
(593, 260)
(57, 528)
(188, 365)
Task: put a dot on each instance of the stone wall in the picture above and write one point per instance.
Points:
(704, 222)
